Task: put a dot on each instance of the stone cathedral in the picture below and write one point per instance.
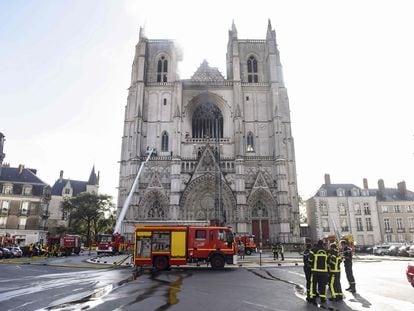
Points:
(224, 146)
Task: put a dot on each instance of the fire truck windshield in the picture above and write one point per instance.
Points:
(106, 238)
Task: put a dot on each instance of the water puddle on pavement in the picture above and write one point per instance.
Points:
(169, 289)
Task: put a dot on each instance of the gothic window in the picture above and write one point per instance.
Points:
(259, 210)
(156, 211)
(207, 122)
(162, 69)
(250, 145)
(252, 76)
(164, 141)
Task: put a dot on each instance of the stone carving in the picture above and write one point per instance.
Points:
(207, 73)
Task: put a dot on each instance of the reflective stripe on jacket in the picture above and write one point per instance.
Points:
(334, 261)
(318, 259)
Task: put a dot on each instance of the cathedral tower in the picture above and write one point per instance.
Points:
(225, 151)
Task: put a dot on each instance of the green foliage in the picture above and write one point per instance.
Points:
(88, 213)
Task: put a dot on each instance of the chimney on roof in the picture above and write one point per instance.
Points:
(21, 168)
(327, 179)
(61, 176)
(381, 186)
(2, 154)
(402, 188)
(365, 183)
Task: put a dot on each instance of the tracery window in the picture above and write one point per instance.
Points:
(259, 210)
(162, 69)
(156, 210)
(207, 122)
(164, 141)
(250, 145)
(252, 76)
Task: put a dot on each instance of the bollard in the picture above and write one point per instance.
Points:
(260, 258)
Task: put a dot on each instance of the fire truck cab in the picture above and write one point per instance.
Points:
(110, 244)
(163, 246)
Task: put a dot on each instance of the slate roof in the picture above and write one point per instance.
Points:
(27, 177)
(388, 194)
(11, 174)
(392, 194)
(331, 189)
(77, 186)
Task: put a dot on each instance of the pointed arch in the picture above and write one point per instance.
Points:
(198, 200)
(162, 69)
(250, 142)
(154, 206)
(207, 121)
(266, 200)
(252, 72)
(164, 141)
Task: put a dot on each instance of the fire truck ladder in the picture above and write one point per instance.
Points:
(131, 192)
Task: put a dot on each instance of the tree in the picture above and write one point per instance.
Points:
(302, 210)
(87, 213)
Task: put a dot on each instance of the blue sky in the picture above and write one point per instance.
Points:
(65, 68)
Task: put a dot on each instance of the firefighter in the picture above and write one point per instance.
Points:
(241, 249)
(347, 255)
(275, 252)
(334, 262)
(281, 250)
(318, 259)
(307, 269)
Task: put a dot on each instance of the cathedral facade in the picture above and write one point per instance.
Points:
(224, 146)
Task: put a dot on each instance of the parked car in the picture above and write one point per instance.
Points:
(411, 251)
(16, 251)
(403, 250)
(410, 273)
(1, 254)
(6, 252)
(380, 250)
(393, 250)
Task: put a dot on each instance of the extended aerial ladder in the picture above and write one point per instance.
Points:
(125, 206)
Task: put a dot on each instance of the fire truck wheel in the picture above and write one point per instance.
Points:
(161, 263)
(248, 252)
(217, 262)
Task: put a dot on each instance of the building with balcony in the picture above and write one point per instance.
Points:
(24, 203)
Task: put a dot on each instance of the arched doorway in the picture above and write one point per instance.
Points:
(260, 223)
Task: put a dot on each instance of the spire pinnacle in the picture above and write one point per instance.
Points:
(142, 34)
(233, 30)
(93, 179)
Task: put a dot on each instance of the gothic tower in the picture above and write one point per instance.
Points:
(225, 151)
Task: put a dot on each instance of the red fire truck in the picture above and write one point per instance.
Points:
(164, 245)
(110, 244)
(66, 244)
(248, 241)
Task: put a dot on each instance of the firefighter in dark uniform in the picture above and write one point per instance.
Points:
(347, 255)
(307, 269)
(318, 259)
(334, 262)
